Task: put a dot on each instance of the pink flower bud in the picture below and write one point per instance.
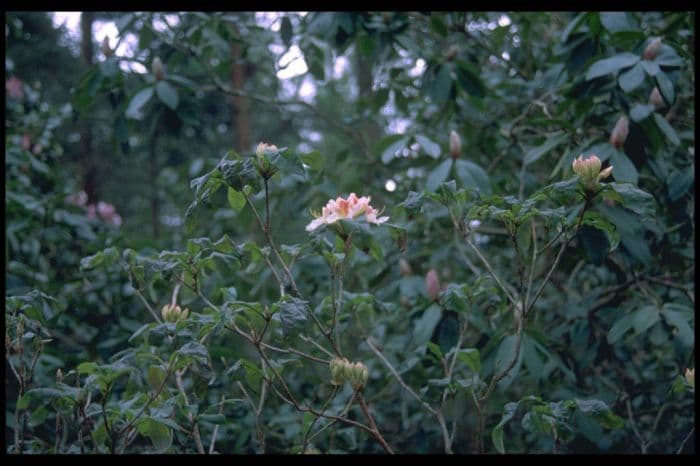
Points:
(26, 143)
(620, 132)
(652, 49)
(432, 284)
(455, 145)
(656, 99)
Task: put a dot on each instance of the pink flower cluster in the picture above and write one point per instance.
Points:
(348, 208)
(106, 211)
(13, 87)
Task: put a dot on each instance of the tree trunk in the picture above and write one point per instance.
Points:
(89, 169)
(240, 106)
(153, 176)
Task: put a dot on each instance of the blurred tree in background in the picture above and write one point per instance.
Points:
(131, 183)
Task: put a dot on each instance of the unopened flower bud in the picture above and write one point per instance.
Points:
(605, 173)
(59, 375)
(455, 145)
(264, 148)
(405, 268)
(338, 371)
(620, 132)
(589, 170)
(690, 377)
(157, 69)
(174, 313)
(106, 50)
(358, 375)
(656, 99)
(652, 49)
(432, 284)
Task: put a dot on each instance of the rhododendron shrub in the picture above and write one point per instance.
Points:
(448, 250)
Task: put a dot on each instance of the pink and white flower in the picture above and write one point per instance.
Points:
(349, 208)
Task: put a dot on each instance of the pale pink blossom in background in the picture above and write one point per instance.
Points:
(13, 87)
(91, 211)
(348, 208)
(26, 143)
(78, 199)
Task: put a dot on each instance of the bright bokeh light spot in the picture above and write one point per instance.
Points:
(307, 91)
(292, 63)
(418, 69)
(390, 185)
(339, 67)
(70, 19)
(504, 21)
(506, 56)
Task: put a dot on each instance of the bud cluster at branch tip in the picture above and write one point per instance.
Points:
(174, 313)
(588, 170)
(343, 371)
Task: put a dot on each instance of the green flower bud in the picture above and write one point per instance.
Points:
(105, 48)
(589, 171)
(338, 371)
(158, 69)
(358, 375)
(174, 313)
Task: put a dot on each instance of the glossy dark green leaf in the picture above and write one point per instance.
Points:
(667, 129)
(611, 65)
(167, 94)
(438, 175)
(623, 168)
(138, 101)
(632, 78)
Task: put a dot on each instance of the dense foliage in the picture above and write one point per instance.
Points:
(506, 262)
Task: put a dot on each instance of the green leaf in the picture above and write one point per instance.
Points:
(390, 145)
(682, 324)
(472, 175)
(431, 148)
(619, 328)
(236, 199)
(293, 312)
(138, 101)
(425, 326)
(469, 79)
(667, 129)
(616, 21)
(632, 78)
(666, 87)
(167, 94)
(155, 376)
(160, 435)
(623, 168)
(535, 153)
(640, 112)
(509, 410)
(286, 31)
(438, 26)
(315, 58)
(611, 65)
(438, 175)
(471, 357)
(679, 182)
(633, 198)
(644, 318)
(314, 160)
(441, 85)
(597, 220)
